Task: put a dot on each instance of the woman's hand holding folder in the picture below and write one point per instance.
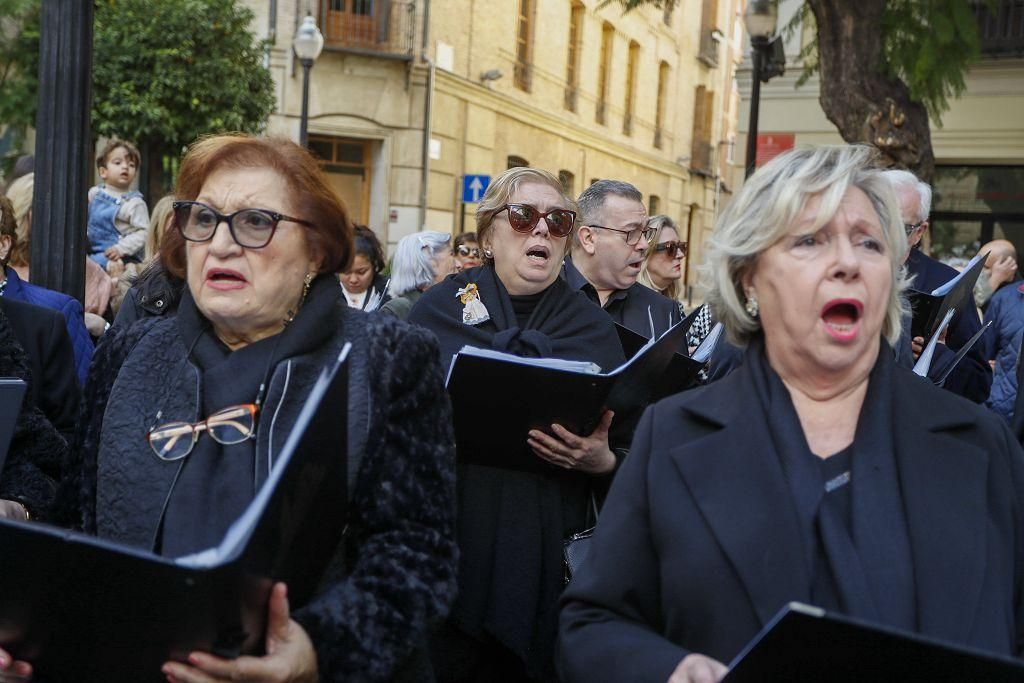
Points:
(590, 454)
(290, 656)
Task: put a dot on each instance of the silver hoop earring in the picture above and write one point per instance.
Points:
(751, 306)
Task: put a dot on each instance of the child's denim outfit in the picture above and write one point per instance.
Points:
(120, 221)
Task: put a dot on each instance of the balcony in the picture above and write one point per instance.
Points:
(380, 28)
(1001, 28)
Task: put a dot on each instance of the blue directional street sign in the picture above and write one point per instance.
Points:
(473, 187)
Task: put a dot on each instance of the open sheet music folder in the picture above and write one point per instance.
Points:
(804, 643)
(85, 609)
(929, 308)
(497, 398)
(12, 392)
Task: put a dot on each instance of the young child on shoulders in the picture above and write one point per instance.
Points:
(118, 216)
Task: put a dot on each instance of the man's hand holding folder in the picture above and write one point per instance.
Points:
(590, 454)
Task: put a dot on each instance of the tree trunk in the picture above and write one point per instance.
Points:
(863, 103)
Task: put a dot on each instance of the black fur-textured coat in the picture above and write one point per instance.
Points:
(36, 449)
(401, 550)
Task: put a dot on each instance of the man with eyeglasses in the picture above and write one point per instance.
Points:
(608, 249)
(972, 378)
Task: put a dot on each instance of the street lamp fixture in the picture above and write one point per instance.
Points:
(308, 43)
(761, 18)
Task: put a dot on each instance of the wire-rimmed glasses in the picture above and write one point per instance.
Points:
(231, 425)
(632, 236)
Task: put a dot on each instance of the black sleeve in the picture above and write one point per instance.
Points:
(972, 377)
(58, 387)
(403, 578)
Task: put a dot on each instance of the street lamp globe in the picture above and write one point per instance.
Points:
(308, 41)
(761, 17)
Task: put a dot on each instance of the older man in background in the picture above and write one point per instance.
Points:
(1000, 269)
(972, 377)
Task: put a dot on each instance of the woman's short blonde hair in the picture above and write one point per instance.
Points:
(767, 205)
(159, 222)
(659, 223)
(501, 190)
(20, 194)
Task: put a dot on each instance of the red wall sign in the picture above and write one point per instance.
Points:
(770, 145)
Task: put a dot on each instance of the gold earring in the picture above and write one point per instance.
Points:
(306, 282)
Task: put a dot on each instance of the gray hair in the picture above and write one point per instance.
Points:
(412, 266)
(906, 180)
(764, 209)
(591, 202)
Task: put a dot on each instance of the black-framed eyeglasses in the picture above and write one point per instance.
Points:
(231, 425)
(632, 236)
(524, 218)
(912, 227)
(250, 228)
(673, 248)
(463, 250)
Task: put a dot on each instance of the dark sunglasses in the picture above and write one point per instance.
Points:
(524, 218)
(674, 247)
(463, 250)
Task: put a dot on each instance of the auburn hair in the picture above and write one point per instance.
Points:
(330, 232)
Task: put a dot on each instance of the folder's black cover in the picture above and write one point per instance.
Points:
(680, 375)
(804, 643)
(929, 310)
(12, 391)
(497, 402)
(84, 609)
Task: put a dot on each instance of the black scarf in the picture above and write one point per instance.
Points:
(217, 481)
(511, 524)
(871, 565)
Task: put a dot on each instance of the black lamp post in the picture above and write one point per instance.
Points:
(308, 43)
(760, 18)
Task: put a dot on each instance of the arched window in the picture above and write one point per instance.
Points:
(516, 162)
(653, 205)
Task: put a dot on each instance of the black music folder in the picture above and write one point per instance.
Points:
(682, 371)
(804, 643)
(12, 392)
(84, 609)
(929, 308)
(497, 398)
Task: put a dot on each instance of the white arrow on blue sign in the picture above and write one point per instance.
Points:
(473, 187)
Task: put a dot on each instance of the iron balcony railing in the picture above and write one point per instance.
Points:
(1001, 27)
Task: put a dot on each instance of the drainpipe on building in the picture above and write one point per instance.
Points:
(271, 33)
(428, 106)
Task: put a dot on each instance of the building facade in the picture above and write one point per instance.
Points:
(401, 115)
(979, 148)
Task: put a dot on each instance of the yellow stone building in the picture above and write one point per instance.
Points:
(571, 86)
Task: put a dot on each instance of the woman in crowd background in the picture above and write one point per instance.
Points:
(467, 252)
(98, 284)
(662, 268)
(259, 235)
(362, 282)
(511, 523)
(818, 471)
(126, 272)
(421, 260)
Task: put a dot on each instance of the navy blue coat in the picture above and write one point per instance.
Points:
(698, 547)
(972, 378)
(81, 342)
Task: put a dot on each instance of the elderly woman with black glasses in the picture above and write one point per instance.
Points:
(511, 524)
(259, 234)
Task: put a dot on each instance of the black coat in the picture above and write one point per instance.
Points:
(43, 335)
(400, 539)
(972, 378)
(697, 547)
(36, 450)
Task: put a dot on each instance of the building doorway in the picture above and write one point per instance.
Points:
(348, 164)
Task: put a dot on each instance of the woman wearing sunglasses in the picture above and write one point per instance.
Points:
(187, 413)
(662, 269)
(511, 524)
(467, 251)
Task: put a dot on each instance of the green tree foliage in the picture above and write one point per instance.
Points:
(168, 71)
(164, 71)
(19, 62)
